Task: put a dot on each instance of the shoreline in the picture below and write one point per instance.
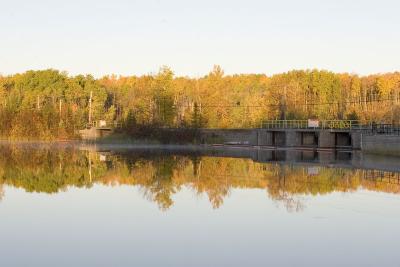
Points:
(147, 144)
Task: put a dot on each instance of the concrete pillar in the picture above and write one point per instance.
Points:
(293, 138)
(326, 139)
(292, 155)
(308, 156)
(269, 141)
(278, 138)
(356, 140)
(264, 155)
(279, 155)
(264, 138)
(309, 139)
(326, 157)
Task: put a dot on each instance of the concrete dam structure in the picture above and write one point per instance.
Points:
(305, 138)
(350, 135)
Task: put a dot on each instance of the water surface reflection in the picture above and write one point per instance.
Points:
(285, 176)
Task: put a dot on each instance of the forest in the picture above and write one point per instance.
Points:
(49, 104)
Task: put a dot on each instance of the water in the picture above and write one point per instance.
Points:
(84, 206)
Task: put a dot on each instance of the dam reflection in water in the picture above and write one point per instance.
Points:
(197, 208)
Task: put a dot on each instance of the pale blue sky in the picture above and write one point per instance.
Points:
(137, 37)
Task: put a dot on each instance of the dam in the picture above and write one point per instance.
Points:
(296, 133)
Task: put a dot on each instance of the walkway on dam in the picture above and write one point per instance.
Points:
(343, 125)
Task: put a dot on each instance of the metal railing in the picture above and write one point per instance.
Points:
(342, 124)
(305, 124)
(97, 124)
(370, 128)
(382, 176)
(383, 129)
(285, 124)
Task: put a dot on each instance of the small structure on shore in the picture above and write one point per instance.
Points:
(98, 130)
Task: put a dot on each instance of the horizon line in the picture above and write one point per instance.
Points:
(196, 76)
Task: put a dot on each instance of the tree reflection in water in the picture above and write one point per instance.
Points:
(50, 170)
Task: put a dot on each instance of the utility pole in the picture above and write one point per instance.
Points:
(391, 111)
(90, 107)
(60, 119)
(284, 103)
(163, 113)
(90, 167)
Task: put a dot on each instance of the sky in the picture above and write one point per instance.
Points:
(138, 37)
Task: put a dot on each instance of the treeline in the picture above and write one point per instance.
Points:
(50, 104)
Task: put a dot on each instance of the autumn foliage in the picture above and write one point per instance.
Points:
(49, 104)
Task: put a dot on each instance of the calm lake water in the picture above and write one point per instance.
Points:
(70, 205)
